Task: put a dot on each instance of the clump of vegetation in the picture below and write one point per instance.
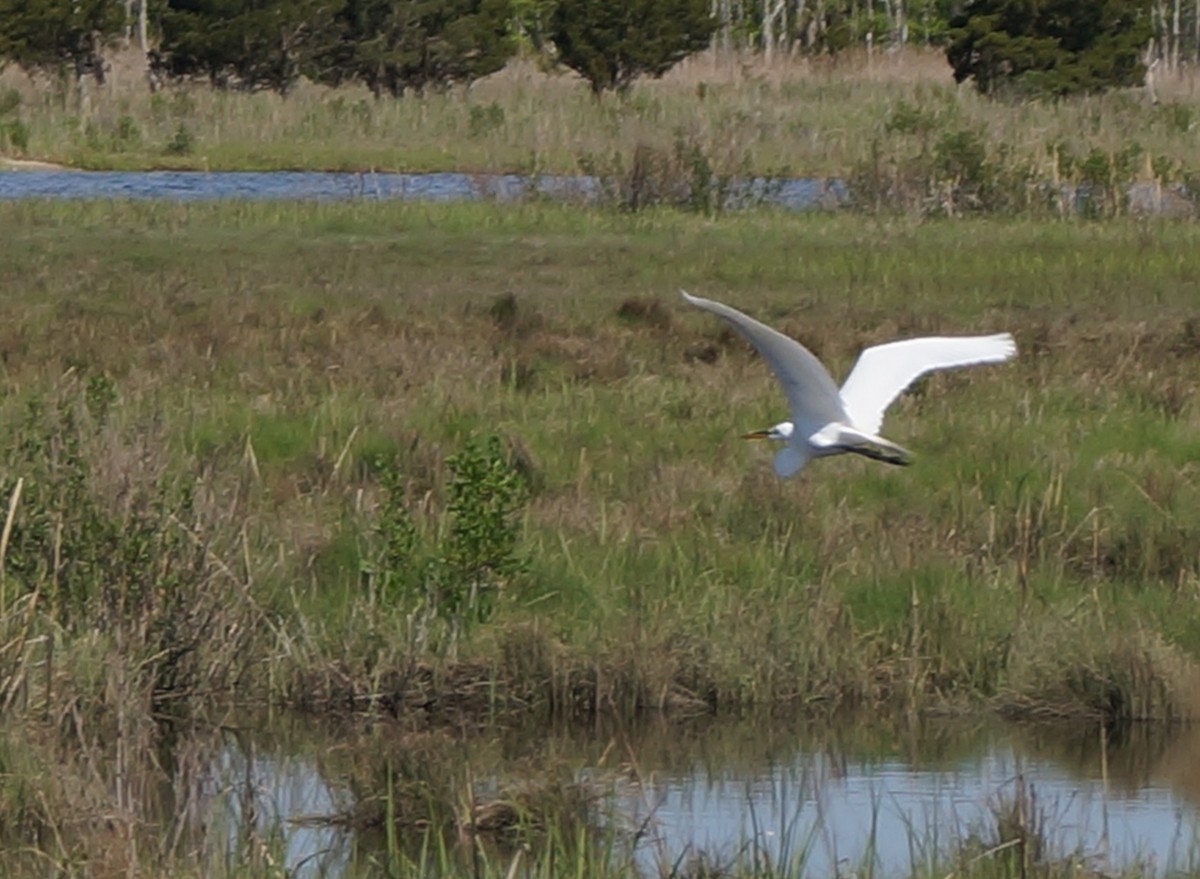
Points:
(122, 550)
(14, 133)
(457, 575)
(690, 176)
(925, 162)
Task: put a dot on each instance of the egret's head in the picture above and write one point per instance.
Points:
(781, 432)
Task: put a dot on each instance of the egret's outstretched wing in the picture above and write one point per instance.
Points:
(811, 393)
(882, 372)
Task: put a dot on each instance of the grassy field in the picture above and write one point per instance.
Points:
(266, 357)
(244, 459)
(808, 117)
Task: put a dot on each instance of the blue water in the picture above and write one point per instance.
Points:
(735, 792)
(792, 193)
(350, 186)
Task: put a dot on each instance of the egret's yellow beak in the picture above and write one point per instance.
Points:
(757, 434)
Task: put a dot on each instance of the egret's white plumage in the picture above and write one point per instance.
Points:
(826, 421)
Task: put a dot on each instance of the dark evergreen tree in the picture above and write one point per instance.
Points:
(248, 44)
(67, 35)
(1050, 47)
(397, 45)
(612, 42)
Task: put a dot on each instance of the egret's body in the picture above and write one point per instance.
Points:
(826, 421)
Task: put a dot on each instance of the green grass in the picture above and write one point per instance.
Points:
(1040, 556)
(287, 346)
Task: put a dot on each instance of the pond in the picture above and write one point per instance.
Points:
(837, 799)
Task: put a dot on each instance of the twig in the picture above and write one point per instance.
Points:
(8, 526)
(337, 465)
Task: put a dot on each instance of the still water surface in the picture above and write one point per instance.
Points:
(350, 186)
(890, 799)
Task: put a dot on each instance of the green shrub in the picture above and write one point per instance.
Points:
(458, 575)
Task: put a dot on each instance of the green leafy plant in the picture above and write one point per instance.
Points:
(14, 132)
(458, 576)
(182, 142)
(479, 554)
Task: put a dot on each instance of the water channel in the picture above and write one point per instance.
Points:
(889, 799)
(795, 193)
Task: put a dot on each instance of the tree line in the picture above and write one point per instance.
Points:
(396, 46)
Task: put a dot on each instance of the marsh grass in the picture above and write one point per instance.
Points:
(281, 352)
(199, 398)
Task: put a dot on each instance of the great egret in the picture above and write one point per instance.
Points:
(828, 422)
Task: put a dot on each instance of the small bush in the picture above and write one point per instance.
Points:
(15, 135)
(484, 119)
(128, 131)
(688, 176)
(457, 576)
(182, 142)
(956, 174)
(10, 103)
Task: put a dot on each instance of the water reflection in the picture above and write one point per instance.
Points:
(840, 798)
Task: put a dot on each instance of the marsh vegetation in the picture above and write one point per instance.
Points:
(457, 465)
(438, 472)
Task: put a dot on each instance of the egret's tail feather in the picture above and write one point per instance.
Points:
(889, 453)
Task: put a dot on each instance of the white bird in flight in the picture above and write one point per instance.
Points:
(826, 421)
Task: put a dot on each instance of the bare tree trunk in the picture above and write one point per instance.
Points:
(1176, 34)
(729, 13)
(774, 28)
(798, 17)
(143, 42)
(1161, 34)
(721, 11)
(897, 22)
(1151, 60)
(1196, 32)
(768, 35)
